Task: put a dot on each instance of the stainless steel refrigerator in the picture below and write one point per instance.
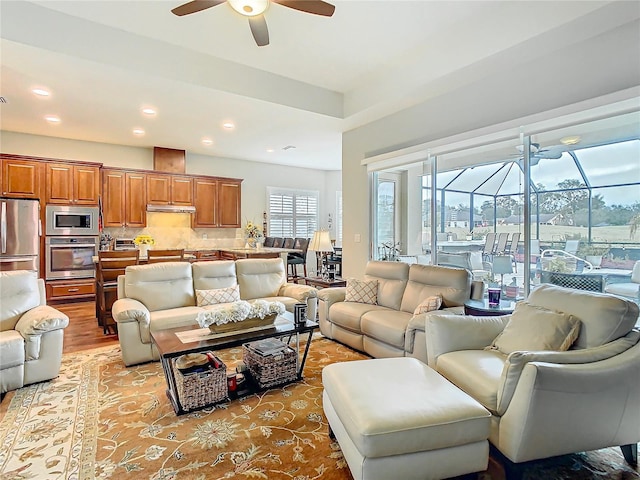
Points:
(20, 232)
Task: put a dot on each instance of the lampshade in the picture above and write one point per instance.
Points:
(321, 242)
(502, 264)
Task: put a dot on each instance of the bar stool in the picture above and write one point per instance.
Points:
(294, 259)
(171, 255)
(111, 264)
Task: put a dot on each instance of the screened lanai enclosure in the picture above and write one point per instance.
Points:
(567, 199)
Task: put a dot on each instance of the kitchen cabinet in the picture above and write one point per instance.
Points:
(205, 193)
(229, 197)
(169, 189)
(21, 178)
(217, 202)
(69, 184)
(124, 198)
(70, 289)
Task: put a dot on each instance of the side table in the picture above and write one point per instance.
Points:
(481, 308)
(320, 282)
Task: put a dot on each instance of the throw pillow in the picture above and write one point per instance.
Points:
(218, 295)
(533, 328)
(429, 304)
(362, 291)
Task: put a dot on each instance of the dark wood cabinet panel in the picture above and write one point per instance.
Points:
(206, 200)
(229, 201)
(21, 178)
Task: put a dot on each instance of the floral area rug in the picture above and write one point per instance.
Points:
(100, 419)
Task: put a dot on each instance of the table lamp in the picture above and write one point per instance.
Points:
(321, 243)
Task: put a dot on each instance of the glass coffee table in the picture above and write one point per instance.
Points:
(174, 342)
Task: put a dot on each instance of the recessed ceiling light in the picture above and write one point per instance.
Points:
(207, 141)
(270, 150)
(138, 131)
(572, 140)
(149, 111)
(41, 92)
(52, 118)
(228, 125)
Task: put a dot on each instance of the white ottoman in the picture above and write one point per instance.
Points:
(396, 418)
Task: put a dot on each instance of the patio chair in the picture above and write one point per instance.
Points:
(489, 243)
(512, 249)
(501, 244)
(630, 289)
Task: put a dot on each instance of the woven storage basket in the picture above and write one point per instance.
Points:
(198, 389)
(271, 370)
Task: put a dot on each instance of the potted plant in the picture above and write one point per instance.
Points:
(593, 253)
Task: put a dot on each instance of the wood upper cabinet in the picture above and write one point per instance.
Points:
(205, 192)
(136, 199)
(72, 184)
(158, 189)
(165, 189)
(229, 201)
(124, 198)
(181, 190)
(21, 178)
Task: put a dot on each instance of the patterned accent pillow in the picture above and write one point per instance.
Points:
(218, 295)
(429, 304)
(362, 291)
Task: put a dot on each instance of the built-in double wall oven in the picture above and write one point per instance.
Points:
(72, 242)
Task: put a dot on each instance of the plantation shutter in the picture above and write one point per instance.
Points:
(292, 213)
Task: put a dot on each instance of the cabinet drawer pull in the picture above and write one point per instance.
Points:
(71, 290)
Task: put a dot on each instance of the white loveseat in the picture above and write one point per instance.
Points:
(389, 328)
(163, 295)
(31, 332)
(547, 403)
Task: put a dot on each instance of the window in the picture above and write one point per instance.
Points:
(292, 213)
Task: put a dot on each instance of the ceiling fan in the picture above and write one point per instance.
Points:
(536, 153)
(254, 10)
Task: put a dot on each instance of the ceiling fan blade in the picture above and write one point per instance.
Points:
(259, 30)
(317, 7)
(195, 6)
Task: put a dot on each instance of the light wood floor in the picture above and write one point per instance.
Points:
(83, 331)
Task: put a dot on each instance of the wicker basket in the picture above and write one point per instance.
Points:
(270, 370)
(199, 389)
(244, 324)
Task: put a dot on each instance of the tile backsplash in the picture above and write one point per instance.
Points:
(173, 230)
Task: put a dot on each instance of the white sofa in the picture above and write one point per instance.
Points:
(31, 332)
(389, 328)
(548, 403)
(162, 295)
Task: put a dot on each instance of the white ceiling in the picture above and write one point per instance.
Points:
(104, 60)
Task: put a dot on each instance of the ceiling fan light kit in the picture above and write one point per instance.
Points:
(249, 8)
(254, 9)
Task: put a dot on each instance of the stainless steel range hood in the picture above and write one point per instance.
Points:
(171, 208)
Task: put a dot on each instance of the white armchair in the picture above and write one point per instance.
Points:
(547, 403)
(31, 332)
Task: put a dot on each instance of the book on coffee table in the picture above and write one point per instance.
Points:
(268, 346)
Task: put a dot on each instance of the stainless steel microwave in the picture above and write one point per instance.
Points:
(68, 220)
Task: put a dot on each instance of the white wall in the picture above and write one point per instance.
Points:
(566, 78)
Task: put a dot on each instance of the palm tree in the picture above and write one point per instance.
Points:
(634, 225)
